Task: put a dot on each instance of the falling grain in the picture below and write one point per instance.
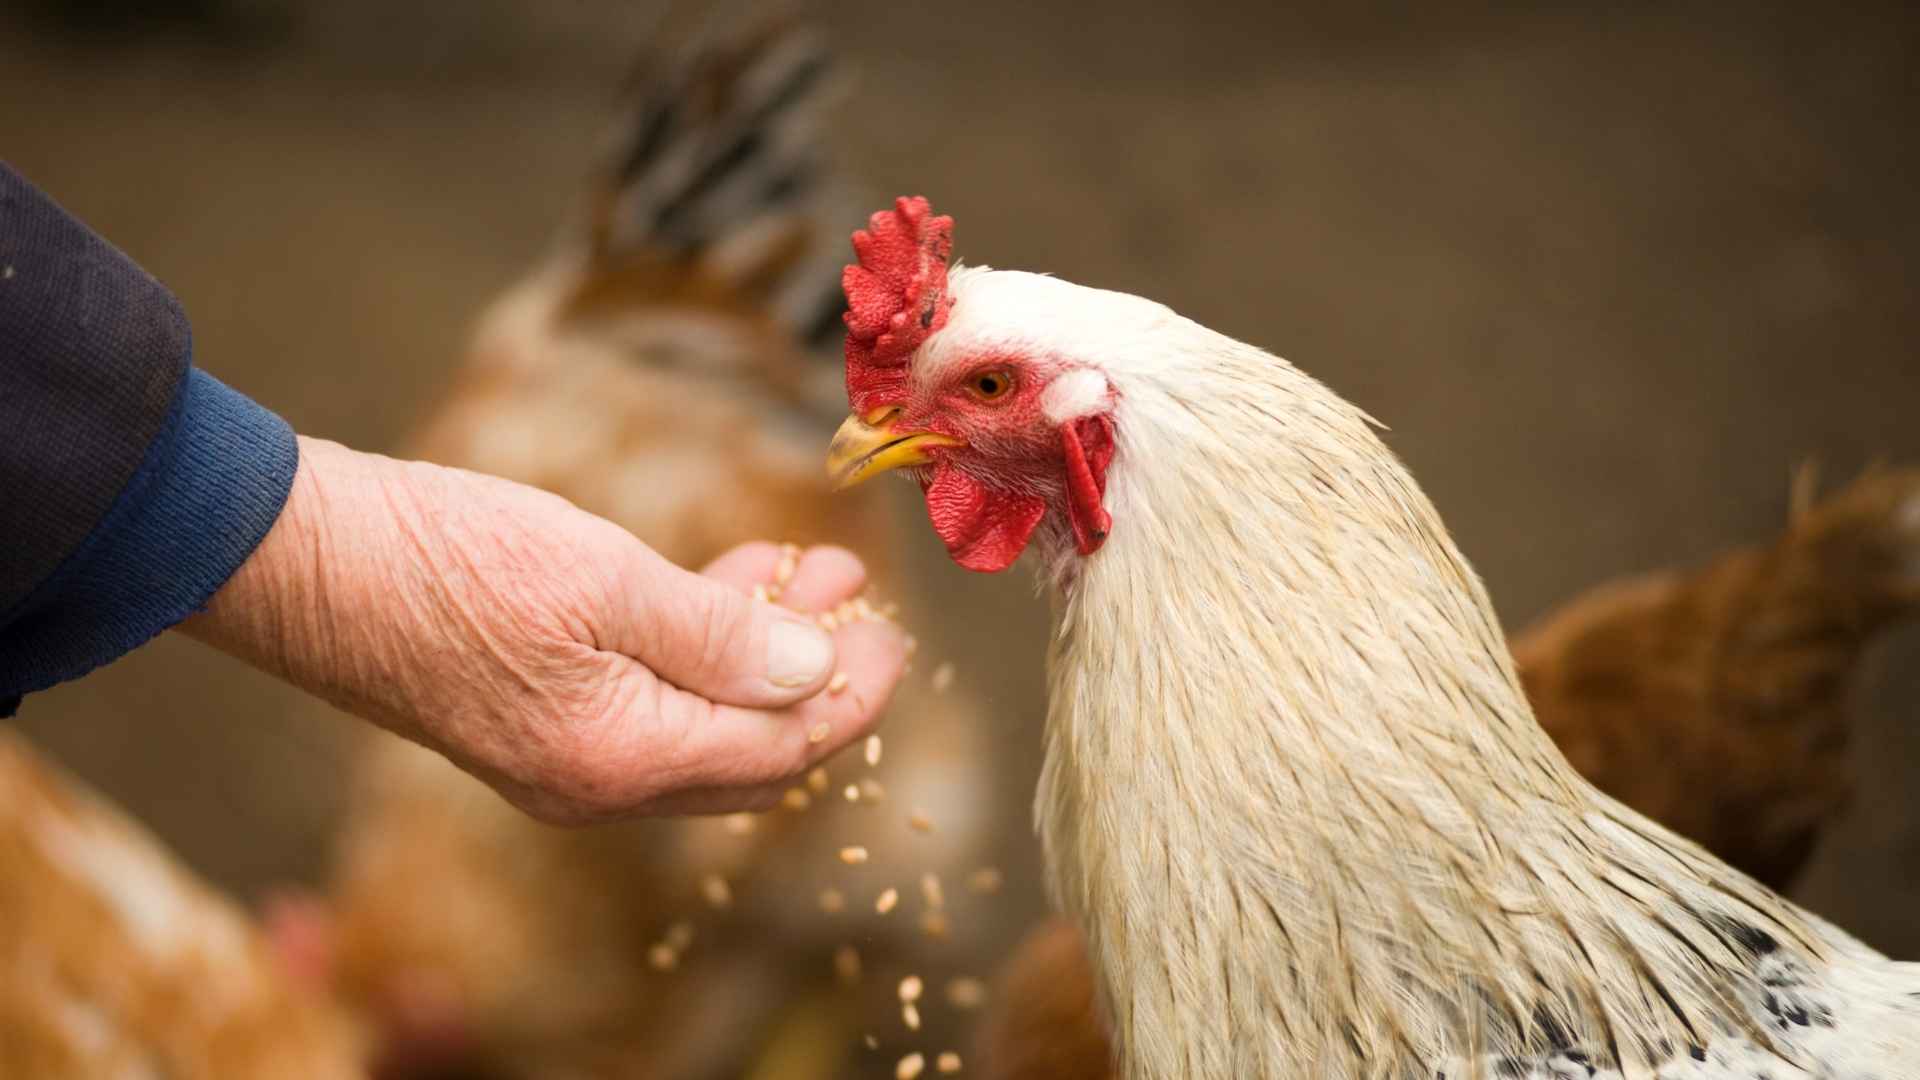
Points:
(934, 924)
(871, 1040)
(931, 892)
(853, 855)
(846, 963)
(852, 792)
(910, 1016)
(718, 893)
(966, 992)
(663, 957)
(911, 988)
(873, 751)
(942, 677)
(910, 1066)
(833, 901)
(817, 780)
(739, 824)
(886, 901)
(948, 1062)
(919, 821)
(680, 936)
(985, 881)
(796, 799)
(871, 790)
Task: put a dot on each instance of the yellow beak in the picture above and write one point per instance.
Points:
(866, 446)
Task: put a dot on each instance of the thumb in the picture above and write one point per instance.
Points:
(714, 640)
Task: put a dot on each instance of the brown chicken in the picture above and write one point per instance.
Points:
(656, 371)
(1712, 700)
(116, 961)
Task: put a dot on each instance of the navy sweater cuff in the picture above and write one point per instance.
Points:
(211, 485)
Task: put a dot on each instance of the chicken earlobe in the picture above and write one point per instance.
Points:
(1088, 443)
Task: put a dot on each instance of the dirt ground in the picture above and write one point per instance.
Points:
(1607, 278)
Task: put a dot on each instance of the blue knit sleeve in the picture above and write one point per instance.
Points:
(132, 485)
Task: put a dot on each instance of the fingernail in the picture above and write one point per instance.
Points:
(797, 653)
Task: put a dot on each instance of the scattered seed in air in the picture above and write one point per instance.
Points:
(852, 792)
(796, 799)
(910, 1016)
(871, 790)
(948, 1062)
(931, 892)
(819, 733)
(873, 751)
(680, 936)
(886, 901)
(833, 901)
(911, 988)
(846, 963)
(942, 677)
(718, 893)
(853, 855)
(934, 924)
(910, 1066)
(919, 821)
(985, 881)
(739, 824)
(663, 958)
(872, 1042)
(966, 992)
(817, 780)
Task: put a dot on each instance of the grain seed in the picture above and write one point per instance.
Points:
(679, 936)
(873, 751)
(833, 901)
(796, 799)
(853, 854)
(817, 781)
(663, 958)
(985, 881)
(942, 677)
(910, 1066)
(846, 963)
(910, 1016)
(948, 1062)
(739, 824)
(911, 988)
(886, 901)
(966, 992)
(718, 893)
(919, 821)
(930, 890)
(934, 924)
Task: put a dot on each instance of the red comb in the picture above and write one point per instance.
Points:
(896, 297)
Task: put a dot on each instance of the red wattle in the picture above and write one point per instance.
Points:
(1088, 443)
(984, 529)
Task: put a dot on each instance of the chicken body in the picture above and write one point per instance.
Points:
(115, 961)
(1293, 791)
(1713, 700)
(656, 371)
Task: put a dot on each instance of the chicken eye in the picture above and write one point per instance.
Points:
(988, 385)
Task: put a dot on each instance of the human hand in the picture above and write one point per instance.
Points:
(545, 650)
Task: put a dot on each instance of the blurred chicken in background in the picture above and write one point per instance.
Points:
(656, 371)
(116, 961)
(1713, 700)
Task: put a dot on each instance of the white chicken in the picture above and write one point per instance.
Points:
(1293, 792)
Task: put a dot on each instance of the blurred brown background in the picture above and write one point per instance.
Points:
(1607, 277)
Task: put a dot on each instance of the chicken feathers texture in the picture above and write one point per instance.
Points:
(116, 961)
(1713, 700)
